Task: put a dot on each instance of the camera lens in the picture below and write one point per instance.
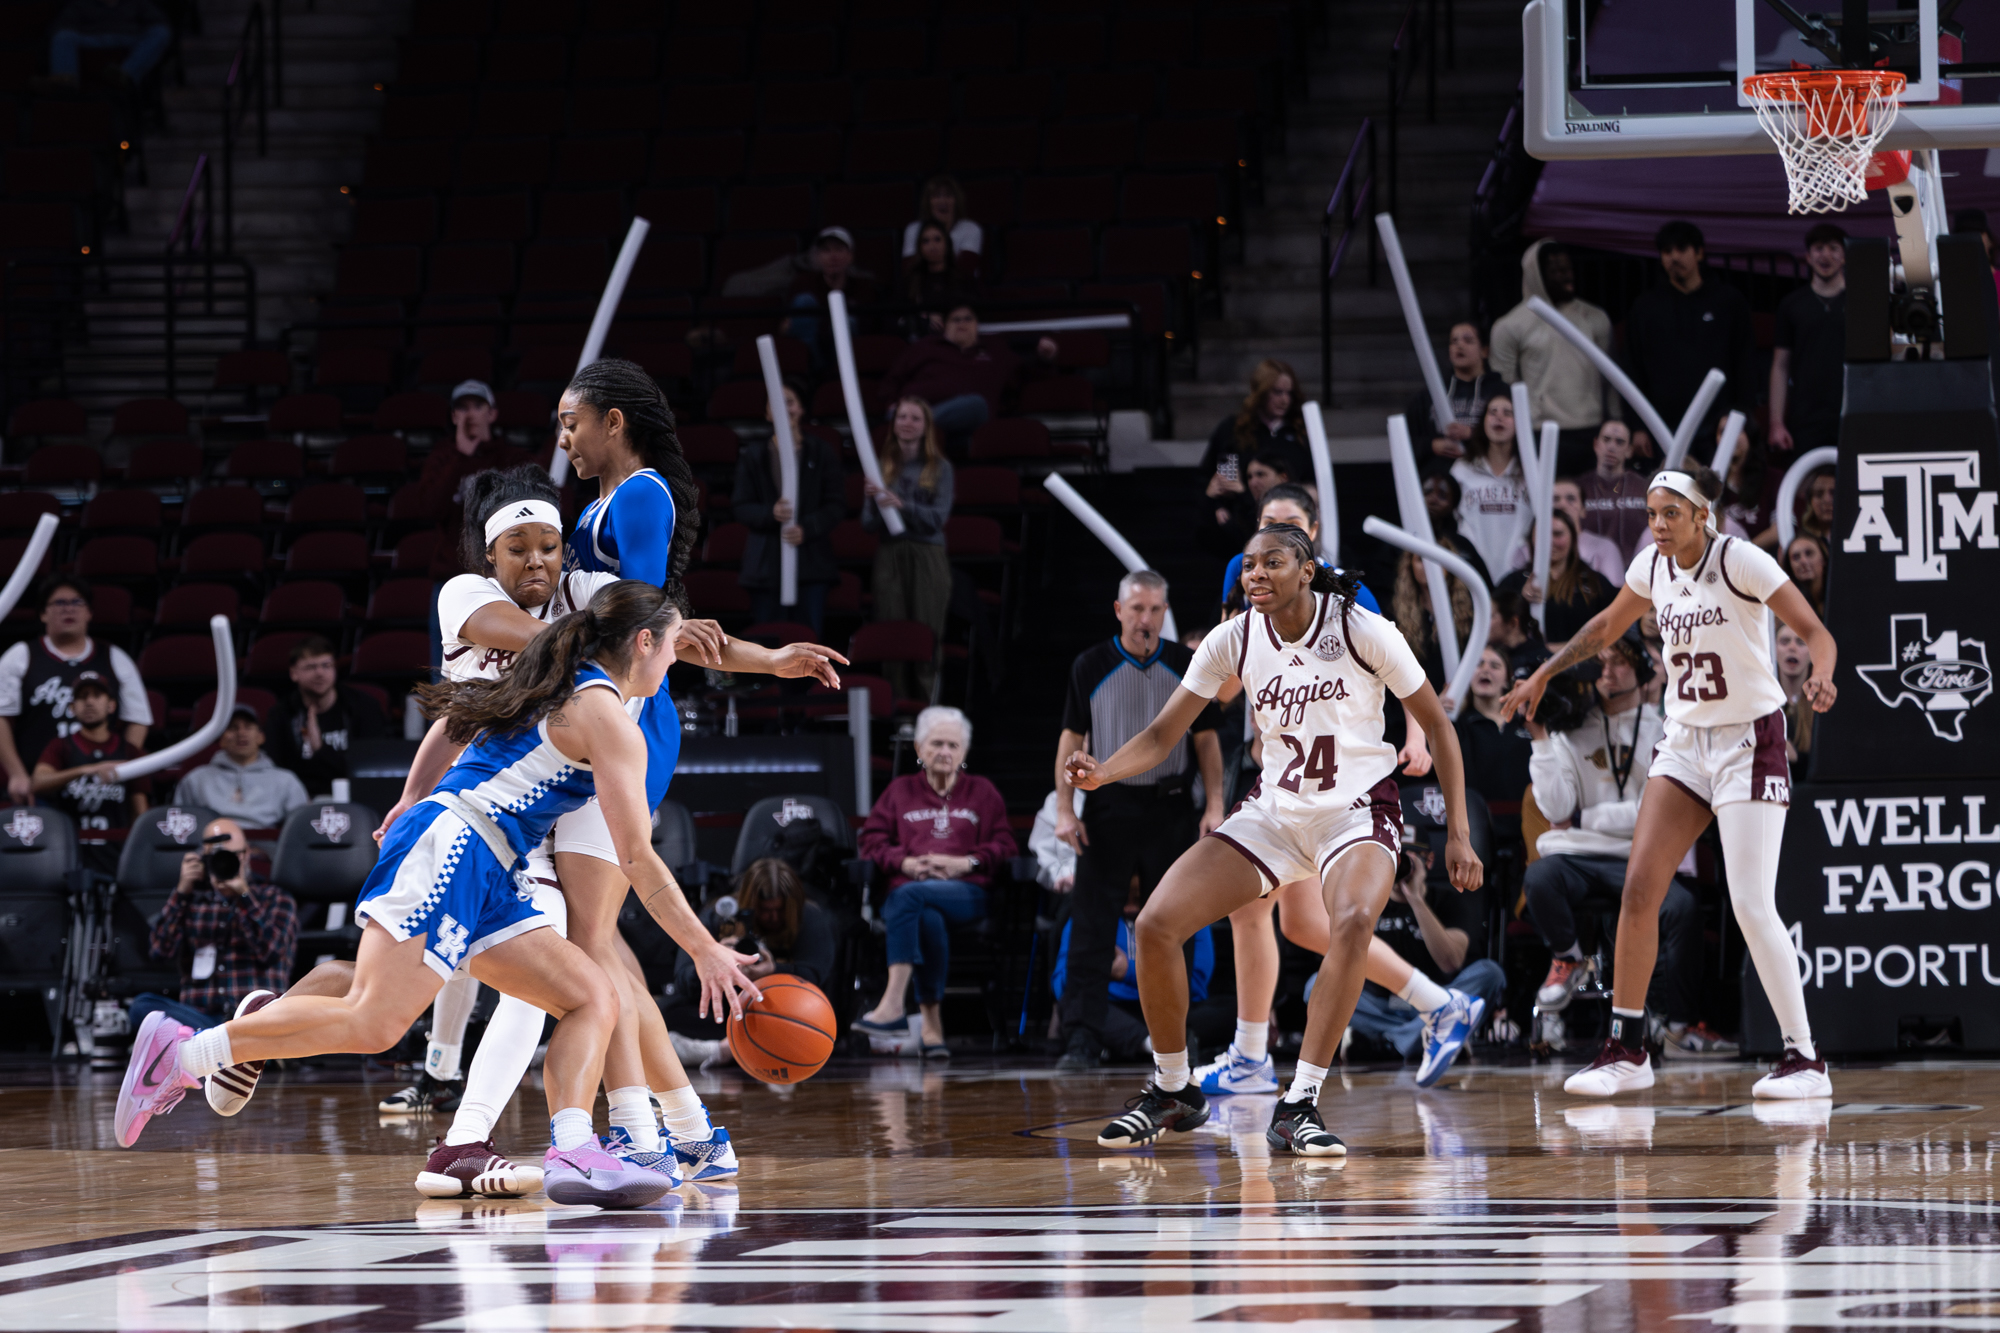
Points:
(224, 864)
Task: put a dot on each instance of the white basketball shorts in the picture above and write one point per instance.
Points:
(1292, 846)
(1744, 761)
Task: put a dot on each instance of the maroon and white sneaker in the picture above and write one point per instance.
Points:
(460, 1171)
(1617, 1068)
(1795, 1079)
(229, 1088)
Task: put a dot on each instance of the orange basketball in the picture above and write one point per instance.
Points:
(786, 1036)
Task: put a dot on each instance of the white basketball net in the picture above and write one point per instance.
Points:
(1826, 130)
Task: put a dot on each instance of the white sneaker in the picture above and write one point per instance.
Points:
(1697, 1041)
(1234, 1072)
(1617, 1068)
(1795, 1079)
(229, 1089)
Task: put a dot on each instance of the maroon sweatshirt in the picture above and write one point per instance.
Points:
(936, 370)
(911, 819)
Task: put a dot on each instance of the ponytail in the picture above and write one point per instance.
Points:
(543, 676)
(626, 386)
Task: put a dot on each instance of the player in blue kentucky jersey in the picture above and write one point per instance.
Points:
(616, 426)
(446, 892)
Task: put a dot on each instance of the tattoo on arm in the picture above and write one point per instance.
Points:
(1589, 641)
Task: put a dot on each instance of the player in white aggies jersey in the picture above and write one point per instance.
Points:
(1723, 757)
(1316, 670)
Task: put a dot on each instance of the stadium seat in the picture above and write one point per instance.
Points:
(411, 220)
(37, 852)
(150, 416)
(123, 559)
(270, 657)
(454, 365)
(401, 655)
(414, 553)
(191, 604)
(716, 592)
(330, 504)
(20, 511)
(253, 370)
(219, 507)
(761, 827)
(308, 413)
(129, 511)
(1068, 198)
(63, 465)
(1011, 438)
(739, 400)
(1090, 144)
(303, 604)
(971, 537)
(577, 267)
(413, 411)
(852, 543)
(369, 457)
(725, 544)
(1049, 252)
(176, 659)
(1063, 394)
(41, 417)
(320, 555)
(582, 214)
(697, 157)
(265, 460)
(325, 851)
(379, 270)
(400, 603)
(175, 463)
(1111, 92)
(1162, 251)
(772, 207)
(237, 556)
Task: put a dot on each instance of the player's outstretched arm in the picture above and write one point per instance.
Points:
(1790, 605)
(1144, 751)
(797, 659)
(1598, 631)
(1460, 861)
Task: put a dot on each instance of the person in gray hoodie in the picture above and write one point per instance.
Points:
(1564, 385)
(241, 782)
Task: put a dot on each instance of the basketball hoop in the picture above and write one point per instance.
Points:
(1826, 123)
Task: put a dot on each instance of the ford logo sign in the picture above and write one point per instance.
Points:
(1948, 677)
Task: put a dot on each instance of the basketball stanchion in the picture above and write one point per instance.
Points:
(1329, 503)
(1413, 315)
(225, 704)
(600, 323)
(1788, 490)
(1433, 555)
(30, 562)
(788, 468)
(857, 409)
(1113, 540)
(1417, 521)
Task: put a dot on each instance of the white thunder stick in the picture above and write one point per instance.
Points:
(1417, 522)
(1113, 540)
(788, 468)
(1544, 466)
(1459, 683)
(225, 704)
(857, 411)
(1788, 491)
(1608, 368)
(1524, 426)
(600, 323)
(1711, 385)
(31, 561)
(1725, 448)
(1329, 507)
(1392, 247)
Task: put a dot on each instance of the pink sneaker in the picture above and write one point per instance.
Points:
(591, 1175)
(154, 1081)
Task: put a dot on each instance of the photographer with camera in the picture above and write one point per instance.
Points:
(1593, 746)
(231, 932)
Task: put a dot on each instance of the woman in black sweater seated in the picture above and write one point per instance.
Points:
(770, 916)
(1576, 591)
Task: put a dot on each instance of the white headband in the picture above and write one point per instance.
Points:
(525, 511)
(1684, 484)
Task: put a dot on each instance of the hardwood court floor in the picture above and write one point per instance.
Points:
(894, 1196)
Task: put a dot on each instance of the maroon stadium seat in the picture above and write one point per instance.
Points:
(413, 411)
(1007, 146)
(369, 456)
(400, 601)
(130, 559)
(702, 156)
(1182, 196)
(133, 511)
(20, 511)
(253, 370)
(977, 44)
(1064, 42)
(488, 163)
(162, 462)
(63, 465)
(590, 214)
(270, 656)
(406, 221)
(591, 158)
(324, 554)
(476, 268)
(793, 358)
(717, 592)
(710, 446)
(414, 552)
(632, 107)
(688, 209)
(985, 488)
(866, 204)
(329, 504)
(852, 543)
(224, 555)
(970, 537)
(1080, 145)
(572, 267)
(265, 460)
(1049, 252)
(1113, 92)
(1152, 38)
(663, 361)
(191, 604)
(488, 217)
(398, 653)
(150, 416)
(215, 507)
(304, 602)
(616, 57)
(1205, 141)
(771, 207)
(356, 367)
(1011, 438)
(711, 53)
(379, 270)
(897, 99)
(312, 412)
(1067, 198)
(739, 400)
(1163, 250)
(895, 151)
(48, 416)
(452, 365)
(173, 658)
(725, 544)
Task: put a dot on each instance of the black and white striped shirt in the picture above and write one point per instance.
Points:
(1113, 696)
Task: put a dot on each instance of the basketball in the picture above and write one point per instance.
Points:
(786, 1036)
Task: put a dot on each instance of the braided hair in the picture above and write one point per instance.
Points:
(626, 386)
(1325, 578)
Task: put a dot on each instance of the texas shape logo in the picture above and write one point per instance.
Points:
(1947, 676)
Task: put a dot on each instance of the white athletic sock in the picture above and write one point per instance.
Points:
(450, 1012)
(1305, 1083)
(1251, 1039)
(206, 1052)
(571, 1128)
(686, 1117)
(1170, 1070)
(1424, 993)
(1751, 834)
(498, 1067)
(632, 1111)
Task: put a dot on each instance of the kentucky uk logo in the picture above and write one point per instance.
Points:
(1936, 517)
(1947, 676)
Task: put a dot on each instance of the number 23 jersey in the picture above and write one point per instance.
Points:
(1715, 631)
(1316, 702)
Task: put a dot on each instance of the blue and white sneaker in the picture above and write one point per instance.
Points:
(1446, 1031)
(619, 1144)
(1234, 1072)
(710, 1157)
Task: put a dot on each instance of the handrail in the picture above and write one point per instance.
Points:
(196, 179)
(248, 83)
(1329, 257)
(1416, 38)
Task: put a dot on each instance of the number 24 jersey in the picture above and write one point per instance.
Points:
(1715, 631)
(1317, 702)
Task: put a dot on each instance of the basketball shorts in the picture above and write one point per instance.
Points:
(437, 878)
(1288, 845)
(1744, 761)
(583, 830)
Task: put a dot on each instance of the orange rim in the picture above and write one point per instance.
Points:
(1836, 100)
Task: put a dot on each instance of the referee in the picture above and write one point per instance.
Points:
(1135, 827)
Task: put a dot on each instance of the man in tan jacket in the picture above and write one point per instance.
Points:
(1564, 386)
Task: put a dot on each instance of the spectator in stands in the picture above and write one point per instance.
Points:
(474, 449)
(1600, 553)
(1055, 860)
(1493, 489)
(38, 679)
(831, 270)
(960, 374)
(912, 572)
(1495, 744)
(1468, 387)
(136, 27)
(77, 773)
(768, 915)
(241, 781)
(232, 933)
(1750, 495)
(1614, 496)
(932, 279)
(1438, 931)
(1410, 608)
(1809, 355)
(1587, 785)
(1125, 1037)
(1513, 630)
(942, 200)
(1806, 562)
(1576, 592)
(1268, 423)
(1564, 385)
(1794, 664)
(939, 835)
(1677, 333)
(761, 507)
(314, 725)
(1813, 505)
